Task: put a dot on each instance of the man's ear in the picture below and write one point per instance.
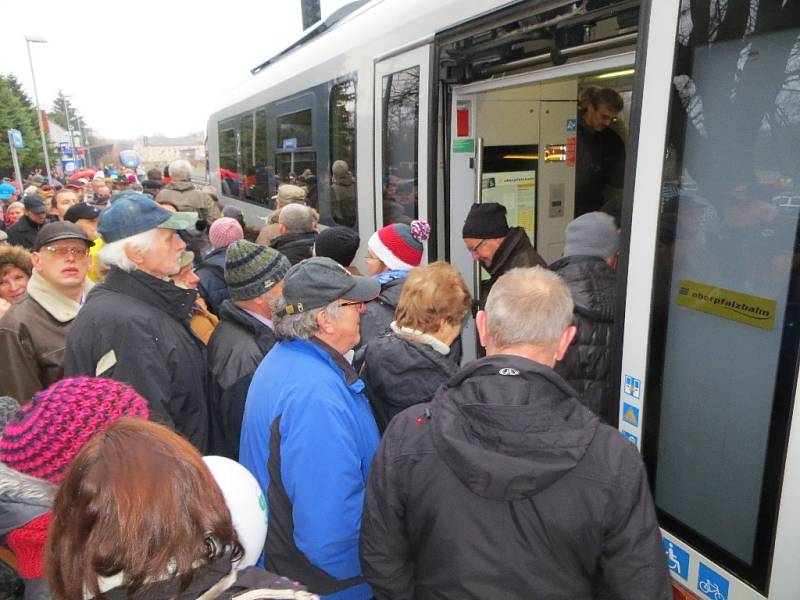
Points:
(324, 322)
(282, 229)
(565, 340)
(134, 254)
(480, 325)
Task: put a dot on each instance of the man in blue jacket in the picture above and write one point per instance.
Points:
(308, 433)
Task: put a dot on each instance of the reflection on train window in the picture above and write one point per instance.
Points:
(262, 186)
(246, 141)
(291, 166)
(228, 160)
(726, 304)
(343, 198)
(400, 143)
(294, 130)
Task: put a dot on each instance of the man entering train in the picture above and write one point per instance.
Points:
(600, 152)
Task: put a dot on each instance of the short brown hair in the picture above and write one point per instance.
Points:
(603, 97)
(15, 256)
(139, 500)
(430, 295)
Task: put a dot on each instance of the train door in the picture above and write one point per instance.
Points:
(402, 89)
(514, 142)
(712, 314)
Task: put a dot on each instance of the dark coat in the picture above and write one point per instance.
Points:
(23, 232)
(587, 363)
(515, 251)
(599, 162)
(235, 350)
(509, 488)
(379, 313)
(399, 372)
(135, 328)
(295, 246)
(212, 286)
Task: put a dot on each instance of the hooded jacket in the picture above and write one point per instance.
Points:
(212, 284)
(587, 363)
(295, 246)
(506, 487)
(399, 372)
(187, 198)
(379, 313)
(33, 337)
(235, 350)
(23, 232)
(135, 328)
(515, 251)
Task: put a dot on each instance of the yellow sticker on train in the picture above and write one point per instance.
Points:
(736, 306)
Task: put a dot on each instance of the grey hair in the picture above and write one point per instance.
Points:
(180, 170)
(16, 204)
(297, 218)
(301, 325)
(113, 254)
(528, 306)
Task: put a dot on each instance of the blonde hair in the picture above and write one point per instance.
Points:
(430, 295)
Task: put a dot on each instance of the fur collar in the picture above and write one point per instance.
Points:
(61, 308)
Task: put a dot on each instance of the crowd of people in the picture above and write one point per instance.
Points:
(146, 331)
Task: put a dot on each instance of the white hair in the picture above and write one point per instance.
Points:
(114, 255)
(180, 170)
(301, 325)
(297, 218)
(528, 306)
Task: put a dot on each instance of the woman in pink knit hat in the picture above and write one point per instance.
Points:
(392, 252)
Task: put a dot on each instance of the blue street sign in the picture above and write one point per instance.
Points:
(712, 584)
(677, 559)
(289, 143)
(16, 136)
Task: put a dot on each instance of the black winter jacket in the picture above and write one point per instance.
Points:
(600, 162)
(23, 232)
(135, 328)
(295, 246)
(586, 365)
(379, 313)
(235, 350)
(212, 286)
(509, 488)
(399, 372)
(515, 251)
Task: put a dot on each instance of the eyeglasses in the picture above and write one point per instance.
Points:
(64, 250)
(474, 249)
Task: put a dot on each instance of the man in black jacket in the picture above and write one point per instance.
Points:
(505, 486)
(134, 327)
(498, 247)
(588, 268)
(297, 235)
(254, 275)
(23, 232)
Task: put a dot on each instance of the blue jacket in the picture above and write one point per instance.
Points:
(212, 286)
(308, 436)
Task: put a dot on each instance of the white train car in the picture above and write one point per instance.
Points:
(431, 106)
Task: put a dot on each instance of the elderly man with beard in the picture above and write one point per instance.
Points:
(135, 326)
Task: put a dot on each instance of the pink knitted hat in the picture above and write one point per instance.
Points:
(48, 432)
(224, 231)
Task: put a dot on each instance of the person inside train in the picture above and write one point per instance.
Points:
(505, 486)
(600, 153)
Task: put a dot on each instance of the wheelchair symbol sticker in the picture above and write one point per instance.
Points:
(712, 584)
(677, 559)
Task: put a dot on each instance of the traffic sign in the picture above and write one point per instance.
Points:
(16, 136)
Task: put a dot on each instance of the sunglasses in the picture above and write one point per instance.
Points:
(64, 250)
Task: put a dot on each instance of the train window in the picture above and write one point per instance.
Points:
(726, 303)
(343, 200)
(294, 130)
(262, 188)
(228, 160)
(290, 165)
(400, 143)
(246, 141)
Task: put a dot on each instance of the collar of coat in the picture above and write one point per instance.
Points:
(61, 308)
(159, 293)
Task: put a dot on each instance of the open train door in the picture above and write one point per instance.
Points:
(712, 309)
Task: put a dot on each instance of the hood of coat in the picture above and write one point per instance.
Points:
(61, 308)
(288, 240)
(22, 498)
(164, 295)
(260, 332)
(180, 186)
(390, 291)
(509, 427)
(593, 284)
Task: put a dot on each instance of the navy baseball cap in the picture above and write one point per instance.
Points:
(318, 281)
(35, 204)
(133, 213)
(81, 210)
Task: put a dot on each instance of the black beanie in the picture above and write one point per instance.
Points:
(338, 243)
(485, 221)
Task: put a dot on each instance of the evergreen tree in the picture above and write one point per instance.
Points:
(17, 112)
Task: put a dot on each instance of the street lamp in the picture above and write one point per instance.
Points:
(35, 39)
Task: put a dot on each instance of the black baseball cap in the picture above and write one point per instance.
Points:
(62, 230)
(34, 203)
(316, 282)
(81, 211)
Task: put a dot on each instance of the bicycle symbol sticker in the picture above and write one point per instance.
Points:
(712, 584)
(677, 559)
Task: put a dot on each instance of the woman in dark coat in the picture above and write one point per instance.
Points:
(407, 365)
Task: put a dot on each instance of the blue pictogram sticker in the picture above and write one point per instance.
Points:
(677, 559)
(572, 125)
(630, 414)
(289, 143)
(633, 387)
(712, 584)
(630, 437)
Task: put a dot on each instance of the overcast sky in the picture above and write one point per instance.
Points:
(144, 67)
